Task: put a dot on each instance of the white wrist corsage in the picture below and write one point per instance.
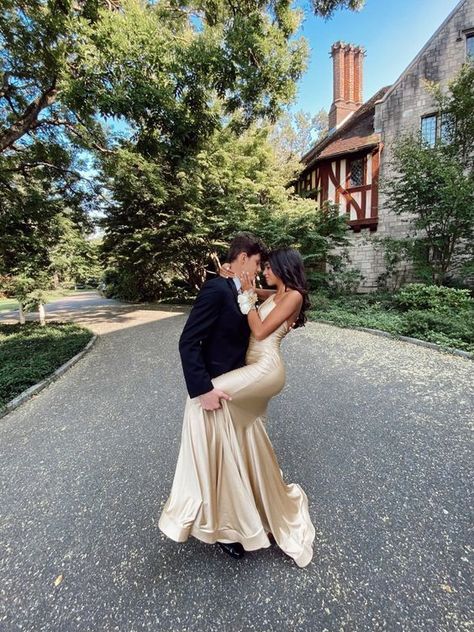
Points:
(247, 301)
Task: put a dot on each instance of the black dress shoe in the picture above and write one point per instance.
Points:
(234, 549)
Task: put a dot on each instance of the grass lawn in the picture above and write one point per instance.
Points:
(378, 310)
(7, 304)
(30, 353)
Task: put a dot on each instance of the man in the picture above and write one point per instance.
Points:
(216, 335)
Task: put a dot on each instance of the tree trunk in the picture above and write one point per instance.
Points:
(22, 314)
(42, 315)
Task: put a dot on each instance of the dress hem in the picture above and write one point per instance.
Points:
(181, 534)
(253, 543)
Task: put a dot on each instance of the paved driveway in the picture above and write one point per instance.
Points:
(375, 430)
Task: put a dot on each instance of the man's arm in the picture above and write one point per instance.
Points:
(201, 321)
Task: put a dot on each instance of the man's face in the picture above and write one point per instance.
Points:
(252, 265)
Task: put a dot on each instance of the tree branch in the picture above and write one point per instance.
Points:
(72, 128)
(29, 118)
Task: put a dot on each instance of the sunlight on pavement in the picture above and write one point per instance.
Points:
(105, 319)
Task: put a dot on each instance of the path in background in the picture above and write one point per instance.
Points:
(375, 431)
(102, 315)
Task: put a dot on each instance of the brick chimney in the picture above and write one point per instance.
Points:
(347, 62)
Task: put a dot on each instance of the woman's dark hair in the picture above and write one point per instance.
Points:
(248, 243)
(287, 264)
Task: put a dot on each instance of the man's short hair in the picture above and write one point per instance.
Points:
(248, 243)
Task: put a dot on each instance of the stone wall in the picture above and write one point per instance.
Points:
(400, 112)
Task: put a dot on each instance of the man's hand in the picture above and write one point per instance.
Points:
(211, 400)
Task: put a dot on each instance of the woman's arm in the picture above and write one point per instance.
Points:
(290, 304)
(261, 293)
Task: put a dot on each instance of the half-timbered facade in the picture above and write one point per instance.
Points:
(344, 168)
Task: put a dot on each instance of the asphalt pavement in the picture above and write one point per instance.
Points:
(375, 430)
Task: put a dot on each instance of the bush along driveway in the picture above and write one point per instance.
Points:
(439, 315)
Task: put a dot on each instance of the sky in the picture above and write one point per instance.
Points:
(391, 31)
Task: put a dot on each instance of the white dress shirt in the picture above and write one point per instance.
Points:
(238, 284)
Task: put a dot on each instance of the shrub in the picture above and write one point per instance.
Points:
(418, 296)
(30, 352)
(453, 330)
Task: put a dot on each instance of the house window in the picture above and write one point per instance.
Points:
(357, 173)
(470, 46)
(435, 127)
(447, 128)
(428, 129)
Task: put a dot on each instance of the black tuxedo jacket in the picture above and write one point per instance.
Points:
(215, 337)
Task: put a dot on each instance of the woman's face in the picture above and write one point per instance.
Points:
(270, 278)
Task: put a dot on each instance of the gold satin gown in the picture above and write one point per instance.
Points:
(228, 486)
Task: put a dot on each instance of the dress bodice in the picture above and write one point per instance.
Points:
(269, 346)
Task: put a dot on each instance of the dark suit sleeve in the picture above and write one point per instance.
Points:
(203, 317)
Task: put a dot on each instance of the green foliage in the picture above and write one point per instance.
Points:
(345, 314)
(456, 107)
(417, 296)
(73, 258)
(31, 352)
(443, 328)
(39, 194)
(166, 223)
(156, 65)
(440, 315)
(326, 8)
(179, 79)
(293, 135)
(434, 190)
(30, 292)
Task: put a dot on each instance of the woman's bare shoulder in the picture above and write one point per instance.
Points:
(294, 295)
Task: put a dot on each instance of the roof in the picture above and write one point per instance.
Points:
(423, 50)
(356, 133)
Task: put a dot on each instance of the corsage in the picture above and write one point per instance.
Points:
(247, 301)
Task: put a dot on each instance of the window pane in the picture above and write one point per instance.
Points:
(428, 129)
(357, 173)
(447, 128)
(470, 46)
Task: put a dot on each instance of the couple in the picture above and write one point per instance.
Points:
(228, 487)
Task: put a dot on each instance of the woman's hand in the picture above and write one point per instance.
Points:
(226, 272)
(247, 282)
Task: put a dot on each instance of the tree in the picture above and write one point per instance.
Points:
(154, 64)
(142, 61)
(161, 231)
(74, 258)
(173, 74)
(433, 187)
(326, 8)
(293, 135)
(36, 189)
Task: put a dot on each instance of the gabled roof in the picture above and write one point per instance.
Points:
(355, 133)
(422, 51)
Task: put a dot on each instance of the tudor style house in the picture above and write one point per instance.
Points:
(344, 166)
(347, 166)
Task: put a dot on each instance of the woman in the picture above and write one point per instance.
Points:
(241, 496)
